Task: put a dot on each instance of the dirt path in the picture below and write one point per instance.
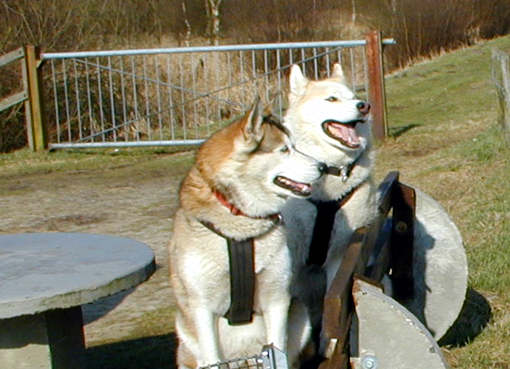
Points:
(132, 201)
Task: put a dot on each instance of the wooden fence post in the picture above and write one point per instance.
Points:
(28, 113)
(501, 79)
(376, 93)
(36, 123)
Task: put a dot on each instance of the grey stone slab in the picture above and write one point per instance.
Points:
(45, 271)
(440, 267)
(388, 335)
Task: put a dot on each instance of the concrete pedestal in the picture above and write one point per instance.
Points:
(53, 339)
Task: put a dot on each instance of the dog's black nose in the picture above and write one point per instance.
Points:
(323, 168)
(363, 107)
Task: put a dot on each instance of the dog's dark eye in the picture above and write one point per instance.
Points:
(284, 149)
(332, 99)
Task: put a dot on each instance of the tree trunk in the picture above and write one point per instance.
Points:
(353, 13)
(187, 36)
(213, 13)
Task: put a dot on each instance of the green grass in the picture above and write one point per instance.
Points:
(23, 162)
(446, 140)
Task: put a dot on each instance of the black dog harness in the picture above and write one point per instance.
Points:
(324, 221)
(241, 256)
(326, 211)
(241, 259)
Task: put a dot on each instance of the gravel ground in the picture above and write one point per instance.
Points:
(129, 201)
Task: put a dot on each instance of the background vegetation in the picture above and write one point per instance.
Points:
(421, 27)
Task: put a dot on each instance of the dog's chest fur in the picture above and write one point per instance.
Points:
(206, 267)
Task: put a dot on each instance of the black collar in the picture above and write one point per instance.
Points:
(345, 171)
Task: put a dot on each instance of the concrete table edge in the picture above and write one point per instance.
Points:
(131, 278)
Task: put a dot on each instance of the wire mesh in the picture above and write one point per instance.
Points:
(248, 363)
(270, 358)
(173, 97)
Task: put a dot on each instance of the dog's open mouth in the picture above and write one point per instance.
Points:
(297, 188)
(344, 132)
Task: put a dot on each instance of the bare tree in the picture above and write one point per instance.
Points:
(353, 13)
(213, 20)
(48, 23)
(187, 36)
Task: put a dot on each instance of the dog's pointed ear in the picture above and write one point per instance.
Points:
(297, 82)
(252, 130)
(338, 73)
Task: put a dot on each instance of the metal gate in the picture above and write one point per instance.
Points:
(176, 96)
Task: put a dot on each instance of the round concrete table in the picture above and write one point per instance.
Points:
(44, 280)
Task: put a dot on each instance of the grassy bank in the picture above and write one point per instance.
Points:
(446, 141)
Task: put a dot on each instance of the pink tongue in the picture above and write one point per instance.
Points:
(303, 186)
(345, 132)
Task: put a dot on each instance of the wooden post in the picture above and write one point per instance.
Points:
(28, 113)
(501, 79)
(36, 124)
(376, 93)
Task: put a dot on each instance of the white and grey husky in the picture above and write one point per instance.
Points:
(330, 124)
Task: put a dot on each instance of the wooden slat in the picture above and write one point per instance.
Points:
(381, 262)
(13, 99)
(338, 309)
(11, 56)
(402, 237)
(338, 305)
(385, 189)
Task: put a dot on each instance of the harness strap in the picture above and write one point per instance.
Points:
(326, 211)
(241, 259)
(242, 281)
(321, 237)
(324, 222)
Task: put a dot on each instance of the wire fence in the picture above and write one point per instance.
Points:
(177, 96)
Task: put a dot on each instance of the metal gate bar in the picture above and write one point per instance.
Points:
(177, 96)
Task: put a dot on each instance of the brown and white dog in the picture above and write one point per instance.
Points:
(242, 178)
